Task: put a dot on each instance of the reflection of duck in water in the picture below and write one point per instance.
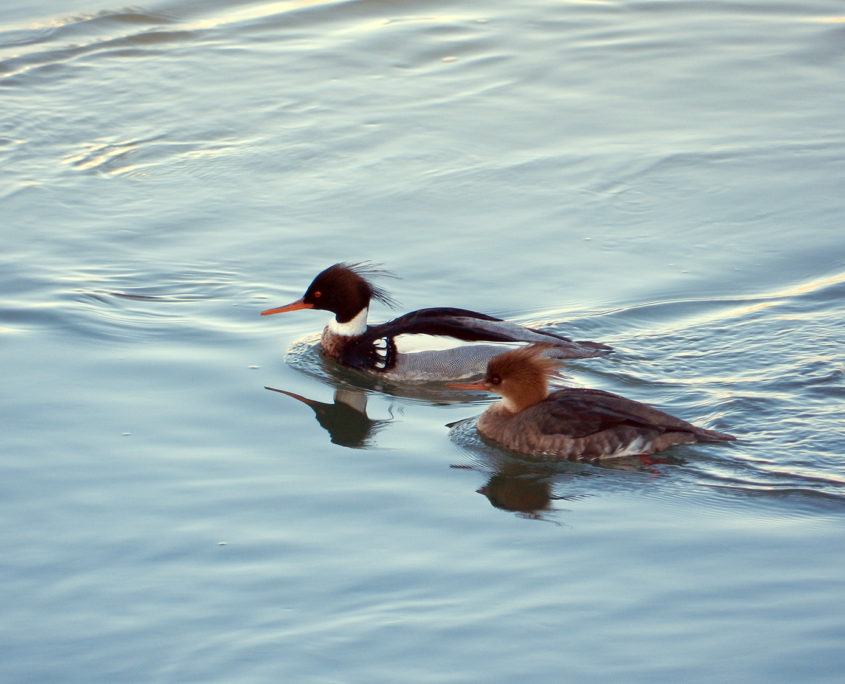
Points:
(528, 495)
(519, 487)
(427, 345)
(572, 423)
(345, 420)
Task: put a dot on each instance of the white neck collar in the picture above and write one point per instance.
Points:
(357, 326)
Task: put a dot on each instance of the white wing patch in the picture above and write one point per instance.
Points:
(412, 343)
(380, 348)
(638, 446)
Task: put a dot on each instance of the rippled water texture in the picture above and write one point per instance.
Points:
(190, 492)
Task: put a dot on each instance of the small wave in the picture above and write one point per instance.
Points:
(134, 156)
(115, 306)
(46, 47)
(801, 499)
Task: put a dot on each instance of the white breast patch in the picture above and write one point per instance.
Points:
(357, 326)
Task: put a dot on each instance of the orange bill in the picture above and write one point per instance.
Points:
(293, 306)
(480, 386)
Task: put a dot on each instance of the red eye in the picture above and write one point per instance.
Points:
(318, 294)
(495, 380)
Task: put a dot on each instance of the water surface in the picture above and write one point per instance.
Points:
(664, 177)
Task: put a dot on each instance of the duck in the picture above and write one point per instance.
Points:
(571, 423)
(433, 344)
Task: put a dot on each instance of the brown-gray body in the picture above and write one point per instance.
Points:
(589, 424)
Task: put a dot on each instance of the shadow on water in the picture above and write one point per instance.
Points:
(345, 419)
(533, 488)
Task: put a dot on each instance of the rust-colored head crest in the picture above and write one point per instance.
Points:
(522, 375)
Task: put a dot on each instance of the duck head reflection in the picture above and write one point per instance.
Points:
(345, 419)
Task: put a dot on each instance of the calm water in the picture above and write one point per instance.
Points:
(667, 177)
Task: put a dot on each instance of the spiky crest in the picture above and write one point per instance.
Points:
(522, 376)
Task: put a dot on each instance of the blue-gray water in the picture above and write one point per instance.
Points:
(666, 177)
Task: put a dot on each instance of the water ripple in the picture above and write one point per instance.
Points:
(71, 38)
(769, 368)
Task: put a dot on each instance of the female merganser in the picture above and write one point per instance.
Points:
(572, 424)
(420, 345)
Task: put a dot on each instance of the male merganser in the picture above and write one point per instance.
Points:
(572, 424)
(419, 345)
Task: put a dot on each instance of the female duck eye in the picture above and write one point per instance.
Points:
(495, 380)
